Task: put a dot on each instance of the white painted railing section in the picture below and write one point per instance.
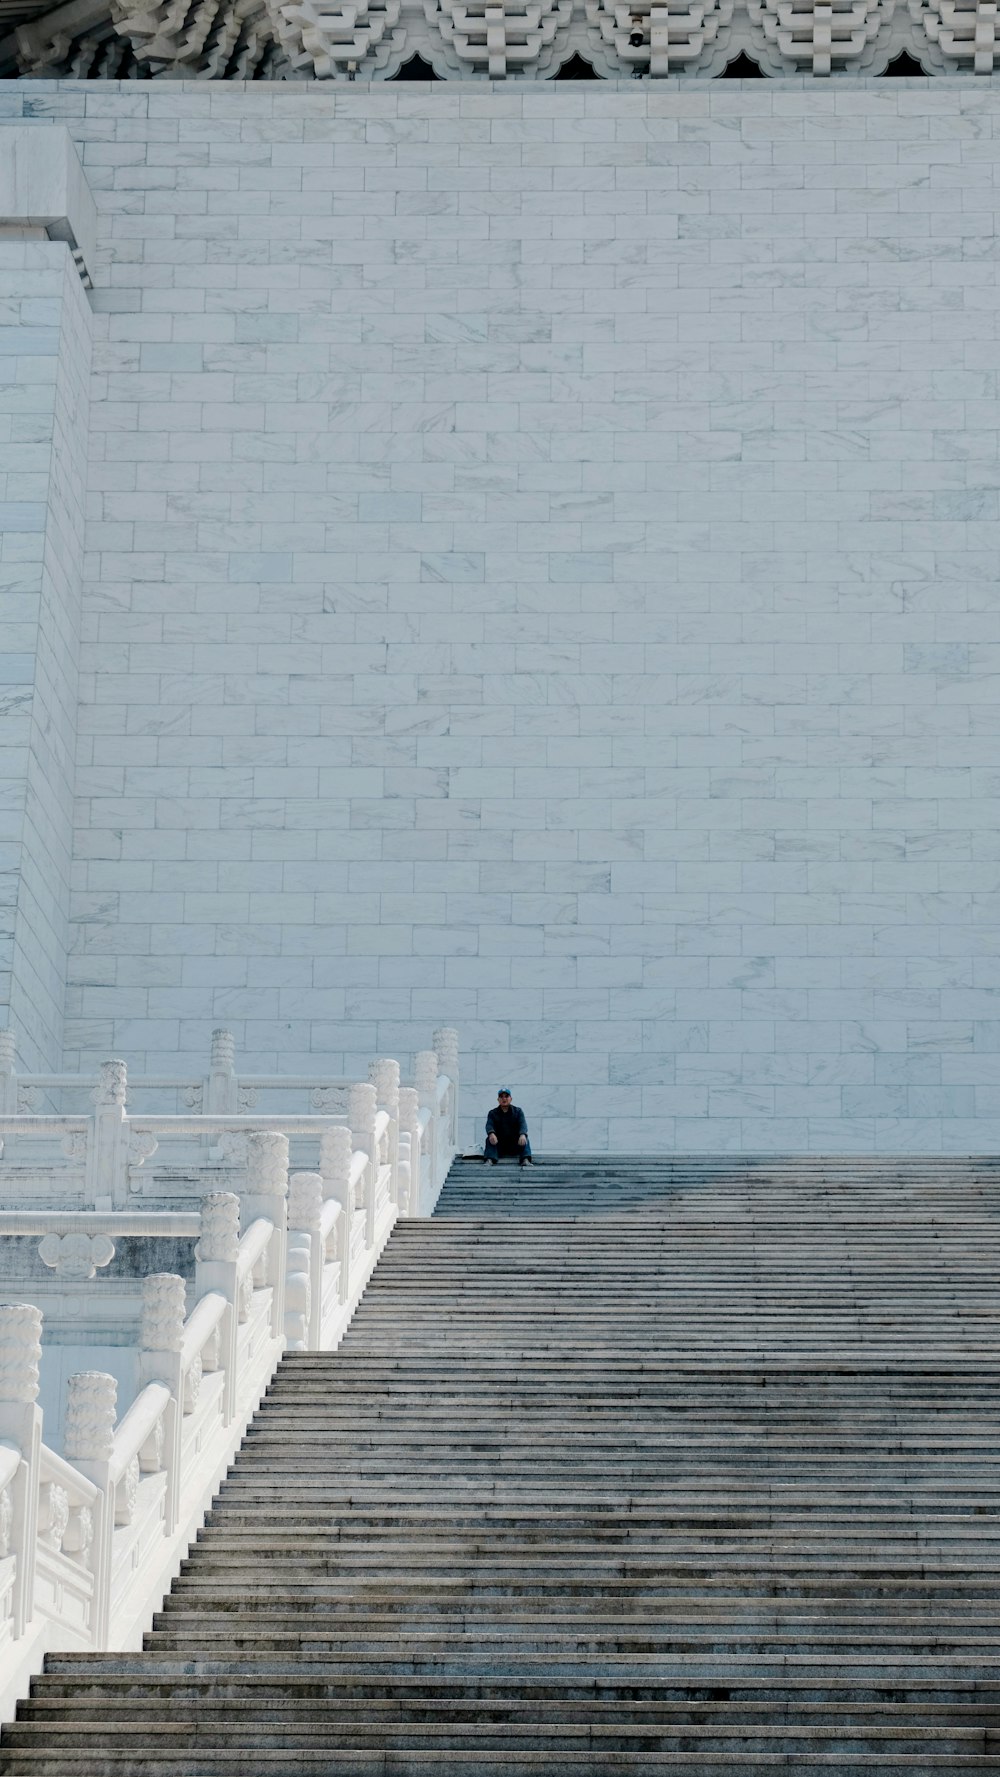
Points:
(90, 1539)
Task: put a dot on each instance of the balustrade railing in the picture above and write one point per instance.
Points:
(90, 1537)
(101, 1160)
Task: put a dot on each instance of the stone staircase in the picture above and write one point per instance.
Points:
(625, 1465)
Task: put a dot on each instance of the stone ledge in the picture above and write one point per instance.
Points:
(43, 185)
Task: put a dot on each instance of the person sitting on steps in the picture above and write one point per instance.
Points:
(507, 1132)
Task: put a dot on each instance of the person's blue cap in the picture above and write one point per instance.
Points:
(503, 1091)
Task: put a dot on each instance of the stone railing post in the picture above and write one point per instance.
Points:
(363, 1106)
(446, 1045)
(336, 1149)
(8, 1078)
(164, 1305)
(266, 1194)
(21, 1426)
(89, 1442)
(216, 1268)
(304, 1263)
(425, 1079)
(107, 1149)
(384, 1076)
(221, 1085)
(409, 1151)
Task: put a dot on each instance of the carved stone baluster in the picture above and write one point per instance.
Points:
(89, 1443)
(221, 1085)
(409, 1151)
(267, 1195)
(384, 1076)
(107, 1153)
(304, 1262)
(363, 1107)
(335, 1152)
(446, 1047)
(164, 1305)
(216, 1268)
(21, 1425)
(425, 1079)
(53, 1514)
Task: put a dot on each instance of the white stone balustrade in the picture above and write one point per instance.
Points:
(222, 1090)
(89, 1538)
(100, 1161)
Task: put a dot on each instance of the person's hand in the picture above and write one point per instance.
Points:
(522, 1141)
(493, 1141)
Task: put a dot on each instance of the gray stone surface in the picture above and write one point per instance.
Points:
(640, 1467)
(541, 577)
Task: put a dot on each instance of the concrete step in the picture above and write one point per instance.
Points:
(662, 1465)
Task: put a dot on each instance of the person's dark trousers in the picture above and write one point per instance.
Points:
(491, 1153)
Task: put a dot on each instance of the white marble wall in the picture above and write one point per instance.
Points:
(543, 577)
(44, 393)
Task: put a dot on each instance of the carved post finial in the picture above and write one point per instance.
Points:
(362, 1112)
(267, 1163)
(409, 1110)
(91, 1401)
(446, 1047)
(223, 1059)
(20, 1352)
(425, 1076)
(163, 1310)
(335, 1150)
(220, 1227)
(384, 1076)
(112, 1084)
(305, 1201)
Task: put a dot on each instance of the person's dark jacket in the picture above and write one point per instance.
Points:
(507, 1126)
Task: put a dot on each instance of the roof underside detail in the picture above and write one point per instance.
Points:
(370, 40)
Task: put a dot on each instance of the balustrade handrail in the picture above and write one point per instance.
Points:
(147, 1224)
(254, 1243)
(288, 1280)
(81, 1490)
(134, 1428)
(41, 1122)
(224, 1122)
(10, 1461)
(86, 1082)
(201, 1323)
(328, 1215)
